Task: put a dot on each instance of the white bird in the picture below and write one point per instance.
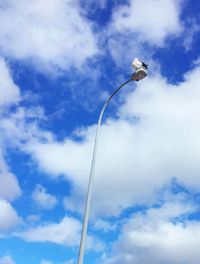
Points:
(136, 64)
(140, 69)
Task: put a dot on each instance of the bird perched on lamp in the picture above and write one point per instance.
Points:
(140, 70)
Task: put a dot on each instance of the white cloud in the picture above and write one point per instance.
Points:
(191, 29)
(33, 218)
(8, 217)
(9, 95)
(49, 33)
(10, 188)
(64, 163)
(153, 25)
(15, 129)
(9, 92)
(66, 232)
(46, 262)
(19, 125)
(155, 139)
(43, 199)
(71, 261)
(23, 125)
(135, 32)
(104, 225)
(159, 235)
(6, 260)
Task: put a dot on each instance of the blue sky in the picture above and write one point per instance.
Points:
(59, 61)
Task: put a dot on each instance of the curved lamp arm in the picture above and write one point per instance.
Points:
(139, 74)
(90, 184)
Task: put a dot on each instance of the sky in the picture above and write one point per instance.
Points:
(59, 62)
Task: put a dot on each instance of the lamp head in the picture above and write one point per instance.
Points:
(141, 70)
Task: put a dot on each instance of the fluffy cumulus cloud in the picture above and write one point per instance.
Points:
(150, 19)
(9, 95)
(9, 92)
(10, 188)
(43, 199)
(154, 139)
(6, 260)
(22, 125)
(66, 233)
(51, 33)
(159, 235)
(77, 153)
(8, 217)
(138, 27)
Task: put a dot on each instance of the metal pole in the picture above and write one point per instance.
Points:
(90, 184)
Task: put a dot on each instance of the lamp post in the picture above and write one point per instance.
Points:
(139, 74)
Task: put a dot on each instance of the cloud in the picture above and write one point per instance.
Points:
(104, 226)
(134, 32)
(10, 188)
(154, 139)
(191, 30)
(71, 261)
(8, 217)
(47, 33)
(22, 125)
(158, 235)
(92, 6)
(59, 166)
(66, 232)
(6, 260)
(33, 218)
(9, 95)
(16, 128)
(43, 199)
(9, 92)
(152, 26)
(46, 262)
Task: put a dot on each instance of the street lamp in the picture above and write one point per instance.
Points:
(140, 73)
